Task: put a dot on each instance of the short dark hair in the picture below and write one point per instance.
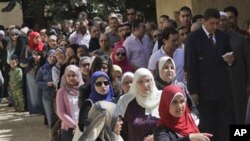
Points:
(136, 24)
(164, 16)
(185, 8)
(211, 13)
(196, 17)
(182, 27)
(173, 23)
(166, 33)
(231, 9)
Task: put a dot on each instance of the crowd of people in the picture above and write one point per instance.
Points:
(131, 79)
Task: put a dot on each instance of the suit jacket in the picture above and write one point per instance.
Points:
(207, 73)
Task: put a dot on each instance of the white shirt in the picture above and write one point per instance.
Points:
(178, 58)
(73, 105)
(78, 38)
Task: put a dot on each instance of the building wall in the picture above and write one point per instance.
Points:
(14, 17)
(171, 7)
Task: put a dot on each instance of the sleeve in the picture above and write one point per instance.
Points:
(1, 78)
(61, 109)
(39, 80)
(246, 57)
(192, 65)
(83, 114)
(24, 58)
(19, 75)
(155, 48)
(152, 63)
(163, 134)
(55, 75)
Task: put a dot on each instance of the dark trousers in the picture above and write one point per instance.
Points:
(67, 135)
(215, 118)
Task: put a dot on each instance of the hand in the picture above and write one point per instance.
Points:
(200, 136)
(149, 138)
(195, 99)
(51, 84)
(229, 59)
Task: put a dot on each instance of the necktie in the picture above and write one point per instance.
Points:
(211, 38)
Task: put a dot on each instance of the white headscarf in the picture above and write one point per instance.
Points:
(150, 102)
(130, 74)
(162, 61)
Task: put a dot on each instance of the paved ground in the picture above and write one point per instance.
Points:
(16, 126)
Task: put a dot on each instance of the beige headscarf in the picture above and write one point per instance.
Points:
(102, 119)
(150, 103)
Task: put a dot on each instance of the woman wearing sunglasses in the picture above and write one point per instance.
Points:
(119, 58)
(101, 89)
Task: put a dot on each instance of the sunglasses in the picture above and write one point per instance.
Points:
(85, 64)
(120, 54)
(14, 34)
(73, 63)
(99, 84)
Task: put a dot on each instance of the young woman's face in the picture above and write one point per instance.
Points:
(104, 68)
(60, 56)
(177, 106)
(71, 78)
(120, 54)
(126, 84)
(69, 52)
(144, 85)
(37, 39)
(118, 126)
(102, 85)
(80, 52)
(167, 72)
(85, 67)
(52, 59)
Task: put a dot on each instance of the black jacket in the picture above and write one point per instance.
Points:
(162, 133)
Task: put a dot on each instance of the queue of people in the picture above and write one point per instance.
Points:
(131, 80)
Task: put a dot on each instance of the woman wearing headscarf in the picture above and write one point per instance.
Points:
(84, 65)
(104, 123)
(166, 75)
(176, 122)
(139, 108)
(126, 81)
(32, 58)
(66, 101)
(101, 89)
(45, 82)
(119, 58)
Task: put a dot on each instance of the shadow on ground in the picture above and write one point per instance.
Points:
(16, 126)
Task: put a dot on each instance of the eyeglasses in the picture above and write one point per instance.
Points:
(14, 34)
(120, 54)
(85, 64)
(99, 84)
(73, 63)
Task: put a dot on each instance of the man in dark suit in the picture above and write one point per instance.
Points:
(207, 75)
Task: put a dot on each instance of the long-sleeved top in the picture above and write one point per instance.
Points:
(43, 76)
(15, 81)
(64, 110)
(162, 133)
(136, 125)
(1, 78)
